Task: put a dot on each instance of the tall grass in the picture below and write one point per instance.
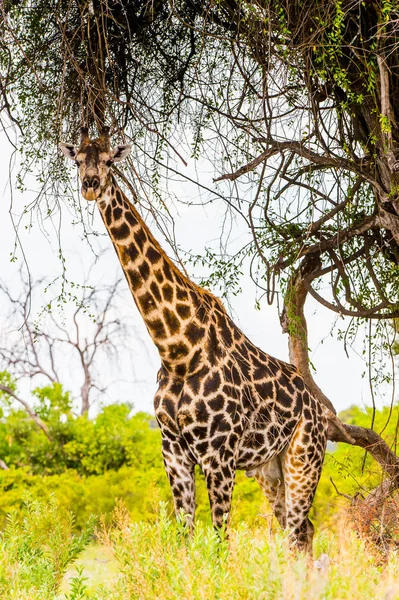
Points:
(36, 549)
(154, 561)
(158, 561)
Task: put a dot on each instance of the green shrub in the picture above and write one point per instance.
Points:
(141, 490)
(88, 463)
(112, 439)
(36, 549)
(86, 495)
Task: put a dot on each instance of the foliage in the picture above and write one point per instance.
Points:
(37, 546)
(85, 495)
(153, 560)
(90, 446)
(89, 463)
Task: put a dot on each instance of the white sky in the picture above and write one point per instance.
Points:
(339, 377)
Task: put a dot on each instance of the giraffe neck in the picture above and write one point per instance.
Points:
(174, 309)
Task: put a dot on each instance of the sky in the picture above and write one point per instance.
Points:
(133, 377)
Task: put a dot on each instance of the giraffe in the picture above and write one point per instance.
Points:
(221, 402)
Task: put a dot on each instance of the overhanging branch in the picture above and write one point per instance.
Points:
(298, 148)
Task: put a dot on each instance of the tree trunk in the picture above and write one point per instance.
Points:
(84, 392)
(294, 323)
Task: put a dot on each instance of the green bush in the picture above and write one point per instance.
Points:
(86, 495)
(112, 439)
(88, 463)
(140, 489)
(36, 549)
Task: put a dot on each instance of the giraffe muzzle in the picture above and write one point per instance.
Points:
(89, 194)
(90, 188)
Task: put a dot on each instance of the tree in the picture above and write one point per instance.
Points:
(297, 105)
(57, 344)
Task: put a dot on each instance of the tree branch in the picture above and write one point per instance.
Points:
(35, 417)
(370, 440)
(325, 161)
(336, 240)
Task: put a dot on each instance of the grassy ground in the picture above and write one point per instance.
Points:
(138, 560)
(41, 559)
(98, 567)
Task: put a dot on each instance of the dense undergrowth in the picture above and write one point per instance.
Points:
(111, 467)
(156, 560)
(88, 463)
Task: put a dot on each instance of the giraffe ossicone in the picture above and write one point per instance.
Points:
(222, 402)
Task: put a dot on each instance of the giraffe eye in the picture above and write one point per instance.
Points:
(109, 162)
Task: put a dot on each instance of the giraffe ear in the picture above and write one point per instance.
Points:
(69, 150)
(121, 152)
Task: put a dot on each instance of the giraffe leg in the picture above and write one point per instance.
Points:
(302, 463)
(271, 480)
(180, 471)
(219, 477)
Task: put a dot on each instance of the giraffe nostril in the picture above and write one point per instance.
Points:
(90, 182)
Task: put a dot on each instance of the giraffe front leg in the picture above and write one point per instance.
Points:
(219, 477)
(180, 471)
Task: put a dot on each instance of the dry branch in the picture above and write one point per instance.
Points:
(41, 351)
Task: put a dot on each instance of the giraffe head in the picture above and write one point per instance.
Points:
(94, 159)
